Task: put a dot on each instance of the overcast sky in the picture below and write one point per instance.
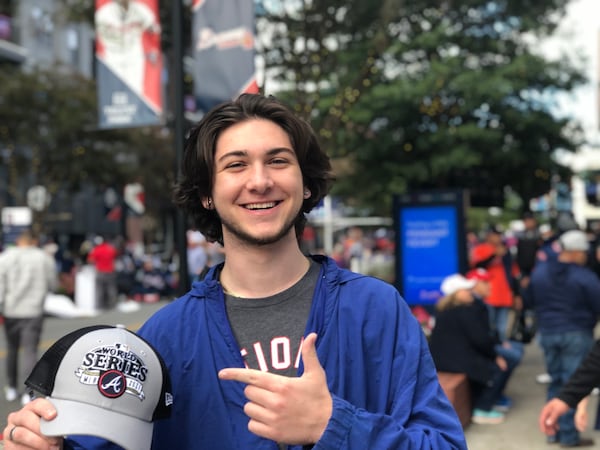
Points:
(580, 30)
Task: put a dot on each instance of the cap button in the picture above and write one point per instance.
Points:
(120, 325)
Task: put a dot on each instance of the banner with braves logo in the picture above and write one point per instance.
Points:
(128, 63)
(223, 48)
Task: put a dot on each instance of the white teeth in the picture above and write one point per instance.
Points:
(260, 205)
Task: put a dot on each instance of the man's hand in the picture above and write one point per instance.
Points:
(581, 415)
(501, 362)
(23, 428)
(548, 420)
(290, 410)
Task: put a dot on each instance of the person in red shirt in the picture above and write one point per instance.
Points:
(493, 256)
(103, 257)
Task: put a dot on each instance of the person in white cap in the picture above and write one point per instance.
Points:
(510, 350)
(565, 295)
(462, 341)
(274, 349)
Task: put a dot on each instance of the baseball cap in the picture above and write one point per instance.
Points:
(456, 282)
(574, 240)
(104, 381)
(479, 274)
(482, 253)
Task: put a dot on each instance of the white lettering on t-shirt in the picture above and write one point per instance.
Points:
(260, 356)
(280, 355)
(299, 354)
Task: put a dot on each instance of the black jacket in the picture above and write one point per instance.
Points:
(462, 342)
(585, 378)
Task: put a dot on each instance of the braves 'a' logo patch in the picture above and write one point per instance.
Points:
(115, 370)
(112, 384)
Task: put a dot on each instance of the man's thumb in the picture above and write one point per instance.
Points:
(309, 353)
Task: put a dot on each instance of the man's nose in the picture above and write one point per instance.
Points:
(259, 178)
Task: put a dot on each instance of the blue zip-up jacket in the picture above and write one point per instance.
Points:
(379, 370)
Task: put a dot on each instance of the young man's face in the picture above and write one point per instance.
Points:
(258, 189)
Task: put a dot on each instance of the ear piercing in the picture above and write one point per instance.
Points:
(306, 193)
(209, 204)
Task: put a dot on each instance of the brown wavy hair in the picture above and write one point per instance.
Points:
(197, 168)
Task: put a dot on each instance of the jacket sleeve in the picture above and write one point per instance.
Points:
(591, 286)
(419, 415)
(88, 443)
(6, 261)
(584, 380)
(51, 273)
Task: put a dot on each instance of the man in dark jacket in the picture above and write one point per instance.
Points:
(565, 295)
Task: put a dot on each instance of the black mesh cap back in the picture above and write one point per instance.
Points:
(43, 374)
(163, 409)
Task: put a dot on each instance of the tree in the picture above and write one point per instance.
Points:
(50, 138)
(425, 94)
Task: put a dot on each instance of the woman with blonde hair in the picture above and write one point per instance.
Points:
(462, 342)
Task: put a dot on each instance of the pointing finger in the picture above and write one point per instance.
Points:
(248, 376)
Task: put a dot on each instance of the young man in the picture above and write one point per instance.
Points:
(273, 349)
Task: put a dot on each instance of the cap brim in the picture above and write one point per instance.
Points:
(75, 418)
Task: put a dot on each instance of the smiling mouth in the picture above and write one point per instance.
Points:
(258, 206)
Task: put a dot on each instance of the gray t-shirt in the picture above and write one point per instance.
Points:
(269, 330)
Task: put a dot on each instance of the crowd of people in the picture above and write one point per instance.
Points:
(542, 278)
(122, 273)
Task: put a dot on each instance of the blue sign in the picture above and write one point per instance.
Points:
(430, 240)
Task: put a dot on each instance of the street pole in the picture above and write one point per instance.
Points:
(178, 136)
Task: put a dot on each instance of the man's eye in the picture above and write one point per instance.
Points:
(234, 165)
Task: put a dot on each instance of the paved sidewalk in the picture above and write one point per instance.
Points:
(520, 430)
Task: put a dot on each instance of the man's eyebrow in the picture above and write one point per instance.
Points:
(278, 150)
(233, 153)
(242, 153)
